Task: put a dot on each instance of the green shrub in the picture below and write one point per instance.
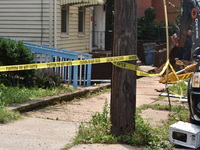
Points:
(150, 14)
(151, 29)
(15, 53)
(147, 30)
(47, 78)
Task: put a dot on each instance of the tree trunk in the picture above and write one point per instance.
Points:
(123, 93)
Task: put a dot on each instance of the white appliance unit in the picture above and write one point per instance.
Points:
(185, 134)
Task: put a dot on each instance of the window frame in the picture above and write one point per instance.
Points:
(65, 27)
(81, 21)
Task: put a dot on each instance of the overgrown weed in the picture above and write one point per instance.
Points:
(98, 131)
(7, 115)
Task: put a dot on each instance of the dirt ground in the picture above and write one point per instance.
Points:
(82, 110)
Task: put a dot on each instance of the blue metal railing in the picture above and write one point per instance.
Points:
(72, 74)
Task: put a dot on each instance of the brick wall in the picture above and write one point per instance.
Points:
(158, 5)
(142, 6)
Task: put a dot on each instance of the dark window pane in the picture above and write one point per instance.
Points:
(63, 20)
(81, 19)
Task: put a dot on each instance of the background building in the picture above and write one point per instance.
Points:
(158, 5)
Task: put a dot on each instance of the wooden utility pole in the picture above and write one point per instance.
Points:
(123, 92)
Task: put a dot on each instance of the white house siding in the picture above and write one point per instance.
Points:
(24, 20)
(74, 42)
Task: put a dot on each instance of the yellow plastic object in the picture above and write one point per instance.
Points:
(176, 76)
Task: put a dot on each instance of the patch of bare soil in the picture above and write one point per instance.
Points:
(76, 111)
(155, 117)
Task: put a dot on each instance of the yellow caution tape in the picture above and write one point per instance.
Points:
(181, 90)
(117, 61)
(67, 63)
(174, 72)
(139, 73)
(125, 65)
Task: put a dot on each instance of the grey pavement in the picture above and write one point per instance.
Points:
(37, 134)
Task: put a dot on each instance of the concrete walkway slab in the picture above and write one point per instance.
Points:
(37, 134)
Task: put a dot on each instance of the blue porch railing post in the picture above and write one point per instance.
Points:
(89, 70)
(75, 76)
(85, 75)
(70, 74)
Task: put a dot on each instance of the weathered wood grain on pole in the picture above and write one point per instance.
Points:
(123, 93)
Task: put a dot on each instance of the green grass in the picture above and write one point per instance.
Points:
(177, 113)
(180, 87)
(7, 116)
(9, 95)
(174, 108)
(160, 98)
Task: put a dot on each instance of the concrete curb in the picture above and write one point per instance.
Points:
(52, 100)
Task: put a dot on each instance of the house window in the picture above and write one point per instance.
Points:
(64, 19)
(81, 19)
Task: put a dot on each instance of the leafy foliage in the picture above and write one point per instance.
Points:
(47, 78)
(150, 14)
(176, 12)
(151, 29)
(180, 87)
(15, 53)
(146, 27)
(97, 130)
